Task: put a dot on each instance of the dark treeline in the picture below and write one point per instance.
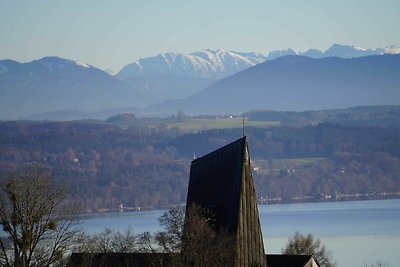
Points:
(323, 140)
(105, 166)
(383, 116)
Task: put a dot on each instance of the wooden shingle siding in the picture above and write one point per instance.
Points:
(222, 181)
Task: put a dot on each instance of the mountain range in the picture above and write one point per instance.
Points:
(298, 83)
(336, 50)
(175, 75)
(217, 64)
(53, 86)
(172, 75)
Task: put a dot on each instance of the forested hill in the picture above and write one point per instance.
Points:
(105, 165)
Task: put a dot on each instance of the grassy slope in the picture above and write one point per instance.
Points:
(194, 124)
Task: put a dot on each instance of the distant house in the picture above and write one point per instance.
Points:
(278, 260)
(223, 183)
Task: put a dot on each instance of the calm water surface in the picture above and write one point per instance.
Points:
(357, 232)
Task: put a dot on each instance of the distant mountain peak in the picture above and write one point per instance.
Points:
(205, 63)
(296, 82)
(220, 63)
(336, 50)
(54, 62)
(392, 49)
(349, 51)
(345, 46)
(54, 83)
(280, 53)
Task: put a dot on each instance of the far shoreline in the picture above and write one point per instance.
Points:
(358, 197)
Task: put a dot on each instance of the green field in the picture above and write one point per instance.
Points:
(265, 166)
(193, 124)
(196, 124)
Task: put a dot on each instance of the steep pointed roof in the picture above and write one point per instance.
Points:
(222, 182)
(215, 183)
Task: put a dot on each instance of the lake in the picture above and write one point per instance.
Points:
(356, 232)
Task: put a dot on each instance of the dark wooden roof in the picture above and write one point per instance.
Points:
(166, 260)
(121, 259)
(215, 183)
(222, 182)
(279, 260)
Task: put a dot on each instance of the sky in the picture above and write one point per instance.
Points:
(112, 34)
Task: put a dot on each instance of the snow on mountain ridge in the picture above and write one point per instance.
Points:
(230, 62)
(206, 63)
(392, 49)
(52, 63)
(359, 48)
(188, 63)
(82, 64)
(219, 63)
(336, 50)
(166, 64)
(280, 53)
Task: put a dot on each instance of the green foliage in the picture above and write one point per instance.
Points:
(52, 225)
(121, 119)
(172, 221)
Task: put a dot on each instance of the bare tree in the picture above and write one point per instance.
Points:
(108, 241)
(202, 244)
(39, 230)
(198, 245)
(192, 239)
(300, 244)
(125, 242)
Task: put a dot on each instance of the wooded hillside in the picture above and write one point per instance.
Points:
(104, 165)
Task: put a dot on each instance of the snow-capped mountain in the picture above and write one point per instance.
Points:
(280, 53)
(173, 75)
(336, 50)
(314, 53)
(217, 64)
(57, 63)
(349, 51)
(57, 84)
(225, 63)
(209, 64)
(298, 83)
(392, 50)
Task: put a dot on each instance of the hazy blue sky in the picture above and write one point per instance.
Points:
(111, 34)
